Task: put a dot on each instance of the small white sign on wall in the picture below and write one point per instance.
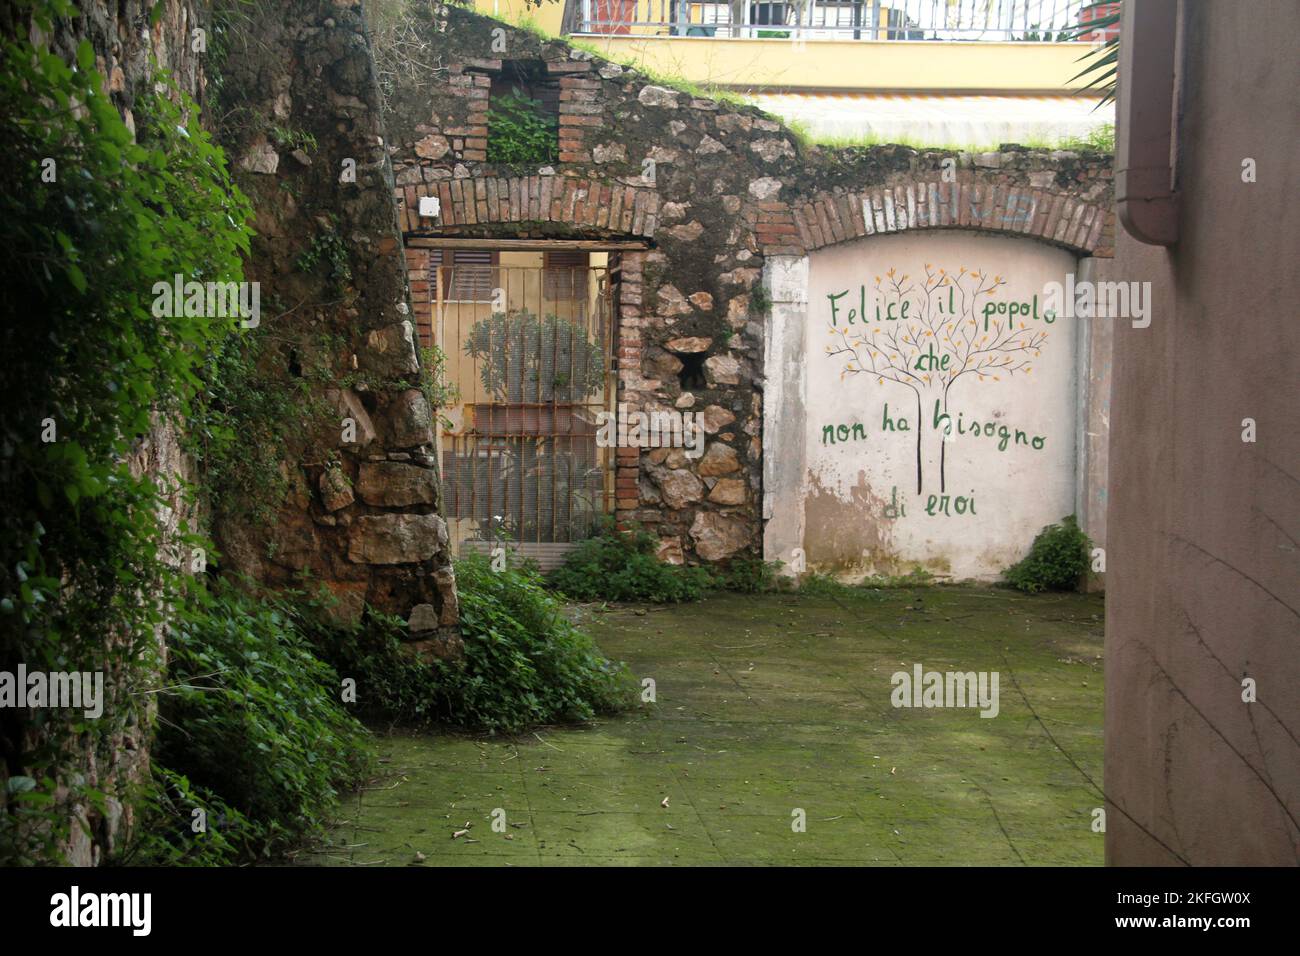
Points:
(430, 206)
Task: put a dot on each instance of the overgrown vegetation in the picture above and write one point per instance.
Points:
(92, 219)
(328, 249)
(400, 44)
(252, 730)
(622, 566)
(245, 400)
(806, 137)
(616, 565)
(259, 715)
(525, 662)
(438, 390)
(1057, 560)
(1101, 138)
(520, 132)
(660, 78)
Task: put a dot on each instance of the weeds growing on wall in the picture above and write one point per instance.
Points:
(520, 132)
(1057, 560)
(439, 391)
(328, 254)
(91, 218)
(237, 436)
(1100, 138)
(673, 81)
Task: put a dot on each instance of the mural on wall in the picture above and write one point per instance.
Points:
(940, 405)
(926, 333)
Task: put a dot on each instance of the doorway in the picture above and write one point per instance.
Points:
(528, 338)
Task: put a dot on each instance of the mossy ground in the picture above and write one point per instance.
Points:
(767, 704)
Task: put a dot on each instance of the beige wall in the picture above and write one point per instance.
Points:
(903, 65)
(1203, 583)
(828, 64)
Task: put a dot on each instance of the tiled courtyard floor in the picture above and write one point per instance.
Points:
(767, 705)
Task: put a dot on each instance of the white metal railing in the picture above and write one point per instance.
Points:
(1041, 20)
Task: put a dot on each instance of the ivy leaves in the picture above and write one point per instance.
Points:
(92, 215)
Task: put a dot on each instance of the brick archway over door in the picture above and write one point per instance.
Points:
(1047, 215)
(593, 206)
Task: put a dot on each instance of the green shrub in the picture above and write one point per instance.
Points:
(525, 663)
(165, 836)
(392, 686)
(252, 729)
(1057, 560)
(749, 576)
(251, 716)
(622, 566)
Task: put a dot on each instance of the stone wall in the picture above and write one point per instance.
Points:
(715, 190)
(127, 45)
(307, 145)
(362, 514)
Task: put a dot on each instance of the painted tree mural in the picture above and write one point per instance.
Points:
(929, 332)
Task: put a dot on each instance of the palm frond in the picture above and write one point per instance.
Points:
(1102, 62)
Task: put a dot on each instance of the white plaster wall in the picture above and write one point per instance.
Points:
(784, 402)
(862, 508)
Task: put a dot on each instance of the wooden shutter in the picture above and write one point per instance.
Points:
(469, 276)
(564, 276)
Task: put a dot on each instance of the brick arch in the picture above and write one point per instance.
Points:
(1052, 216)
(590, 204)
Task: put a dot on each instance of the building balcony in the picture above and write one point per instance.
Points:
(852, 20)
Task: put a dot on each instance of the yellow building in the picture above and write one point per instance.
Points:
(936, 72)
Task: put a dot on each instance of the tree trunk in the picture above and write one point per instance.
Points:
(930, 447)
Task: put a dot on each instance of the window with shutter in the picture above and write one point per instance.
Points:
(468, 276)
(564, 277)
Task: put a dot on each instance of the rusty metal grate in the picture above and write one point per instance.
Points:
(529, 349)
